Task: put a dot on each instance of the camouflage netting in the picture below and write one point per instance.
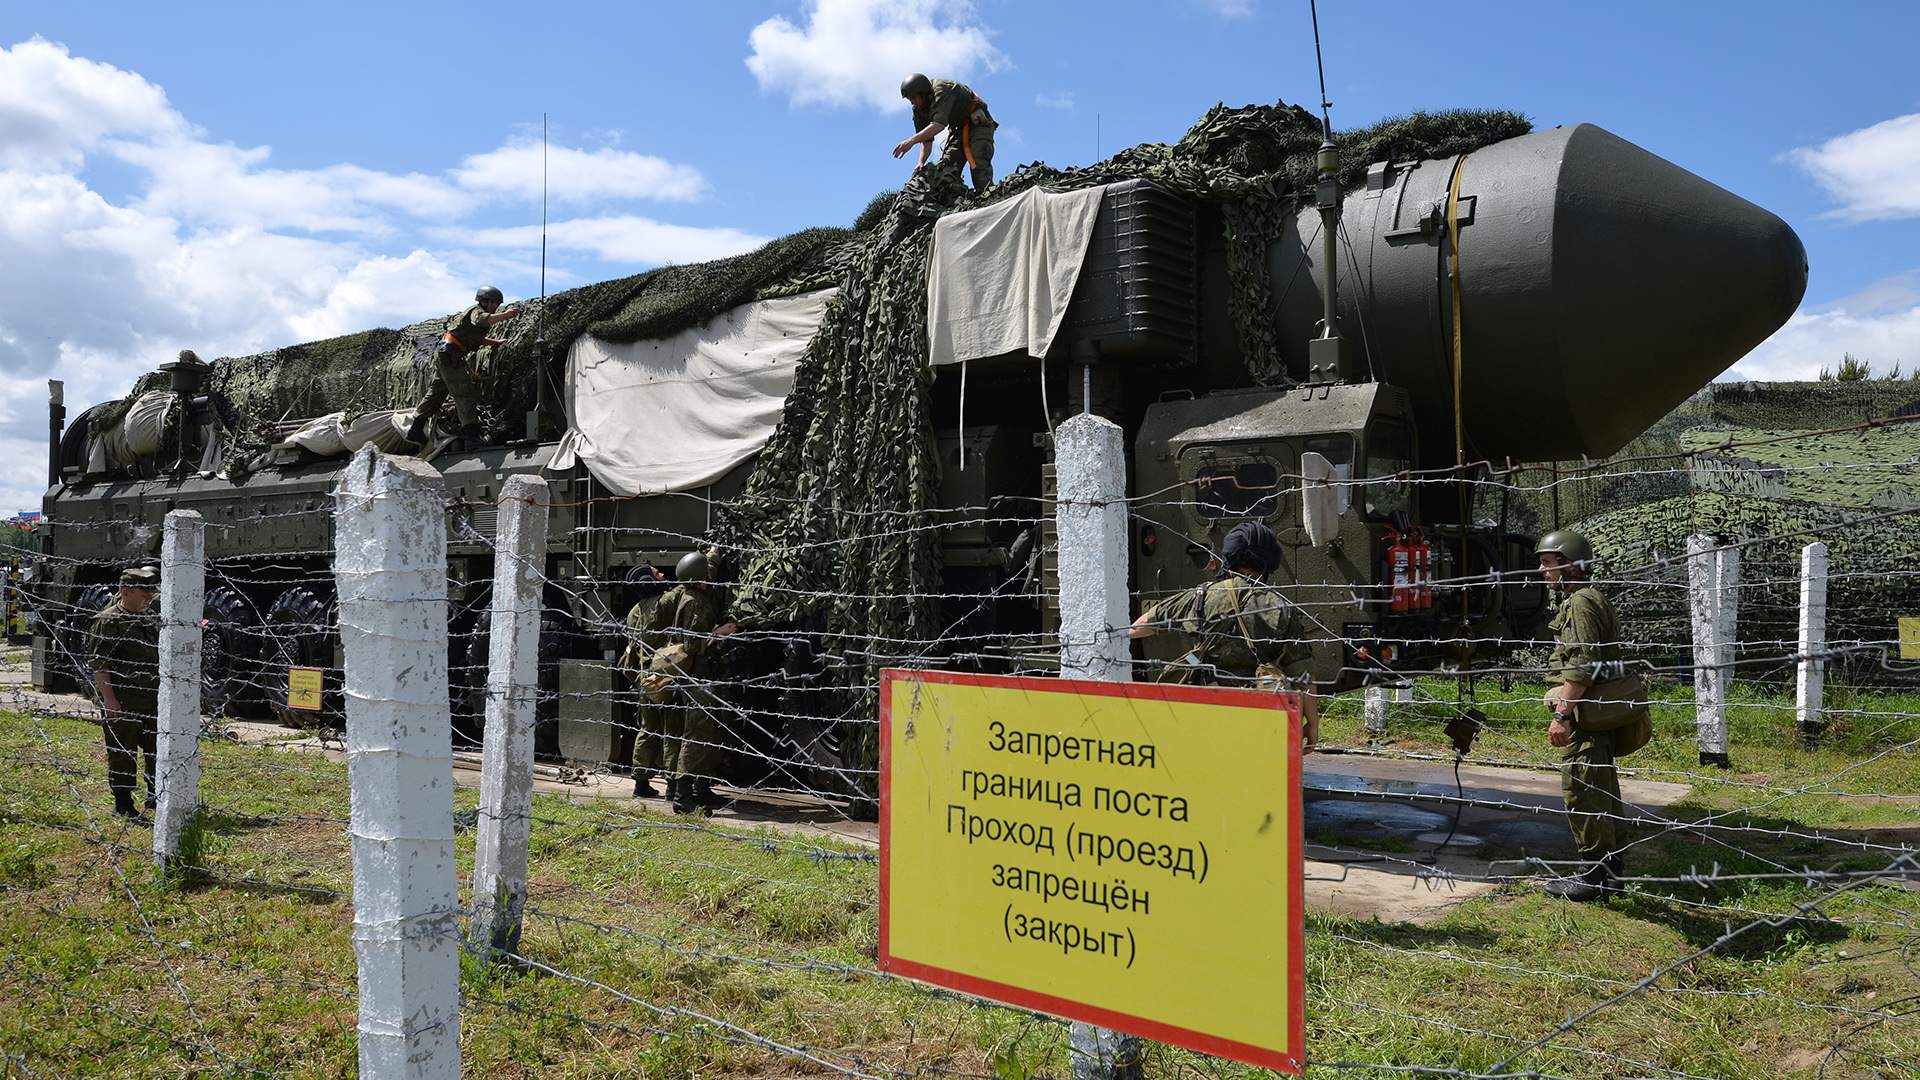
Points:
(1780, 486)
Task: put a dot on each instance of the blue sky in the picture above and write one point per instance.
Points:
(240, 175)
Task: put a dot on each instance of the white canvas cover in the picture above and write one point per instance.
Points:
(334, 435)
(1000, 277)
(672, 414)
(136, 436)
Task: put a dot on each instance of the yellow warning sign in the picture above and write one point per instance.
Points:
(303, 688)
(1124, 854)
(1909, 637)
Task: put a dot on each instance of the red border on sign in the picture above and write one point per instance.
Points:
(1074, 1010)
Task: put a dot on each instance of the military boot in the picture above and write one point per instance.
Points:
(704, 797)
(417, 432)
(1593, 883)
(642, 784)
(1616, 865)
(680, 792)
(123, 806)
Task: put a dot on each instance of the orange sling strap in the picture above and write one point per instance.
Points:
(966, 132)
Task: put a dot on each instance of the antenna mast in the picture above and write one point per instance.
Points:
(1323, 353)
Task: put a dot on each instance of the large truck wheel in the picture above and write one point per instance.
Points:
(71, 639)
(298, 633)
(229, 643)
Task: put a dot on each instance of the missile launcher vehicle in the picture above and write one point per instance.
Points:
(1544, 297)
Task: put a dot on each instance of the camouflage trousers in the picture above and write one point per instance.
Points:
(690, 742)
(980, 139)
(1591, 784)
(129, 732)
(450, 376)
(649, 745)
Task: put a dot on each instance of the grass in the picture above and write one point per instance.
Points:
(247, 964)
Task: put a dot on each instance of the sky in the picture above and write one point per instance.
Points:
(236, 176)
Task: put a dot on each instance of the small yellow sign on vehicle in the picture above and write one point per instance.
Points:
(1909, 637)
(303, 688)
(1124, 854)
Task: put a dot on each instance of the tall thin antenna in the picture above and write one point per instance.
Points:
(1096, 138)
(1326, 107)
(542, 332)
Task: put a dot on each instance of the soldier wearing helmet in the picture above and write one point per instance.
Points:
(465, 335)
(1586, 651)
(688, 624)
(941, 105)
(1239, 631)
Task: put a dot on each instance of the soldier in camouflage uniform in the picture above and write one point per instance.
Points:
(466, 335)
(692, 615)
(1236, 625)
(652, 720)
(942, 105)
(123, 652)
(1586, 651)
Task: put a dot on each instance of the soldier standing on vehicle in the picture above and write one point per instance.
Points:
(1238, 630)
(123, 652)
(690, 621)
(465, 335)
(1586, 651)
(650, 586)
(941, 105)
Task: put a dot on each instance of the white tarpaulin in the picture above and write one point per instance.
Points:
(333, 435)
(1000, 278)
(676, 413)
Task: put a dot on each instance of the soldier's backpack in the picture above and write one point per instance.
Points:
(1618, 705)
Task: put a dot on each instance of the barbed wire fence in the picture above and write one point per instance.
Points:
(675, 933)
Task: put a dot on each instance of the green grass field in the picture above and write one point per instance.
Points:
(688, 950)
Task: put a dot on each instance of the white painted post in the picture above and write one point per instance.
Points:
(513, 690)
(1708, 591)
(390, 561)
(1809, 693)
(1377, 697)
(183, 583)
(1090, 470)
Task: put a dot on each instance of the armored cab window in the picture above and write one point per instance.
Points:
(1243, 489)
(1389, 456)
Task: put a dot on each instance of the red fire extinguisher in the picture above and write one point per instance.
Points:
(1400, 571)
(1422, 572)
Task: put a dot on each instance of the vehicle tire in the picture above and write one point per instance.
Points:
(298, 632)
(229, 642)
(71, 641)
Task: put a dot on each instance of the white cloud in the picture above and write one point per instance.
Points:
(1232, 9)
(855, 52)
(622, 238)
(575, 175)
(1873, 173)
(1062, 100)
(55, 107)
(217, 251)
(1880, 324)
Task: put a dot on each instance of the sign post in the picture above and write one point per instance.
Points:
(1121, 854)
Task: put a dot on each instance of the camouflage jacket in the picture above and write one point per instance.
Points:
(1234, 625)
(1586, 635)
(689, 616)
(126, 646)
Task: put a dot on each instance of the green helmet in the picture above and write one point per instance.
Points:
(488, 292)
(1569, 545)
(692, 567)
(916, 85)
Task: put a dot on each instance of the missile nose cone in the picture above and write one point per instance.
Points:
(1661, 281)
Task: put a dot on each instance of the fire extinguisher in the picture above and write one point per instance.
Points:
(1422, 572)
(1400, 571)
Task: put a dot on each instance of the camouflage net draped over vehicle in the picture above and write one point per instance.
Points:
(832, 530)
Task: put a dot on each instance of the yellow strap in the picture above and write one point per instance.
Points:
(1459, 368)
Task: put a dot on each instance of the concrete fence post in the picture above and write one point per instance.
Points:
(513, 691)
(1376, 699)
(1810, 688)
(183, 587)
(1090, 467)
(1713, 578)
(390, 563)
